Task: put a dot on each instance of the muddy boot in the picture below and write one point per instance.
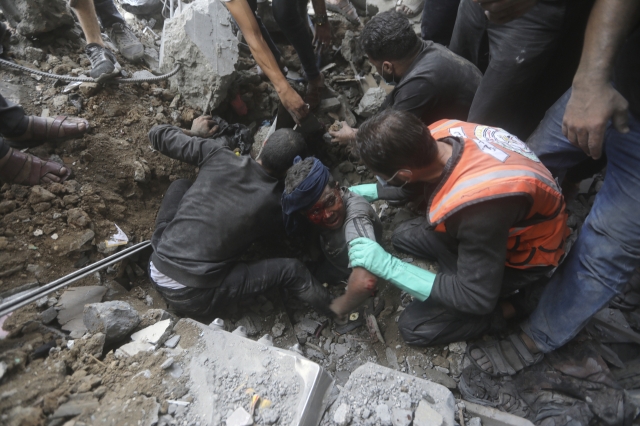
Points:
(127, 43)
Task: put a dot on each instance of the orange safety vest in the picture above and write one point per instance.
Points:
(495, 164)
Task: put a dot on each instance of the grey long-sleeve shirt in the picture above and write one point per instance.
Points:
(232, 203)
(360, 221)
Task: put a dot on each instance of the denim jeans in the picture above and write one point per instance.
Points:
(291, 17)
(519, 50)
(607, 250)
(107, 13)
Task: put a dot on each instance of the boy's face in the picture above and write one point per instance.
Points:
(329, 211)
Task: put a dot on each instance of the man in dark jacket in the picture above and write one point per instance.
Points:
(204, 227)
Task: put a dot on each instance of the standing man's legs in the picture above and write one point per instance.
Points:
(605, 254)
(519, 51)
(13, 121)
(468, 31)
(438, 20)
(291, 17)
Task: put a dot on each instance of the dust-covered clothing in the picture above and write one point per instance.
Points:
(438, 84)
(203, 228)
(360, 221)
(232, 203)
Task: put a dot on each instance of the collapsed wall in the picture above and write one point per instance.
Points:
(202, 41)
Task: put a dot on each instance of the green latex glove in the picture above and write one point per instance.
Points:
(369, 255)
(368, 190)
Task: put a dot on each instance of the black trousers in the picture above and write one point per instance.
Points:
(244, 279)
(107, 13)
(438, 20)
(519, 51)
(13, 122)
(430, 323)
(291, 16)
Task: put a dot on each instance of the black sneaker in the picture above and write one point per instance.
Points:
(126, 41)
(104, 64)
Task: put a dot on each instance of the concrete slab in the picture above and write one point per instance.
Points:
(225, 370)
(372, 387)
(72, 304)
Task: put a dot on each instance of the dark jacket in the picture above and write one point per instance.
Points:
(232, 203)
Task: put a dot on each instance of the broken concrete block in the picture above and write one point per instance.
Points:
(358, 392)
(153, 334)
(72, 241)
(116, 319)
(40, 195)
(132, 348)
(72, 304)
(32, 17)
(216, 362)
(371, 102)
(48, 315)
(342, 416)
(427, 416)
(240, 417)
(201, 39)
(173, 341)
(89, 89)
(474, 421)
(401, 417)
(351, 48)
(167, 363)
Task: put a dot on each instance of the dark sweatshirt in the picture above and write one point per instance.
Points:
(232, 203)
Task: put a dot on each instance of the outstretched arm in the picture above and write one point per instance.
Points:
(246, 20)
(593, 100)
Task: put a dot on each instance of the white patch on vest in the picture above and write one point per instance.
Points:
(504, 139)
(487, 148)
(457, 132)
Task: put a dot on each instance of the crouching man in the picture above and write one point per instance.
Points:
(341, 216)
(495, 223)
(203, 227)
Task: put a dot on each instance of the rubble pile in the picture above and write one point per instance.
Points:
(104, 351)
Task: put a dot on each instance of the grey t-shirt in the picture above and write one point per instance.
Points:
(360, 221)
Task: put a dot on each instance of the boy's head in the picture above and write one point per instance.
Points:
(309, 191)
(280, 149)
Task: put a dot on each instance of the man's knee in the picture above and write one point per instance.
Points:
(423, 335)
(402, 235)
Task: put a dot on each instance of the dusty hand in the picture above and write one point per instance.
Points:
(503, 11)
(323, 34)
(294, 104)
(203, 127)
(345, 135)
(589, 109)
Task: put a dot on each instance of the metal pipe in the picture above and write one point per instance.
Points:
(36, 294)
(171, 9)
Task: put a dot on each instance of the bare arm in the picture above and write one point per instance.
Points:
(593, 100)
(323, 32)
(246, 20)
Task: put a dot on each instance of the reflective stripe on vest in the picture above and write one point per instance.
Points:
(495, 164)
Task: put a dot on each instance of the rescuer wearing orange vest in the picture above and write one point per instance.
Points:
(495, 222)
